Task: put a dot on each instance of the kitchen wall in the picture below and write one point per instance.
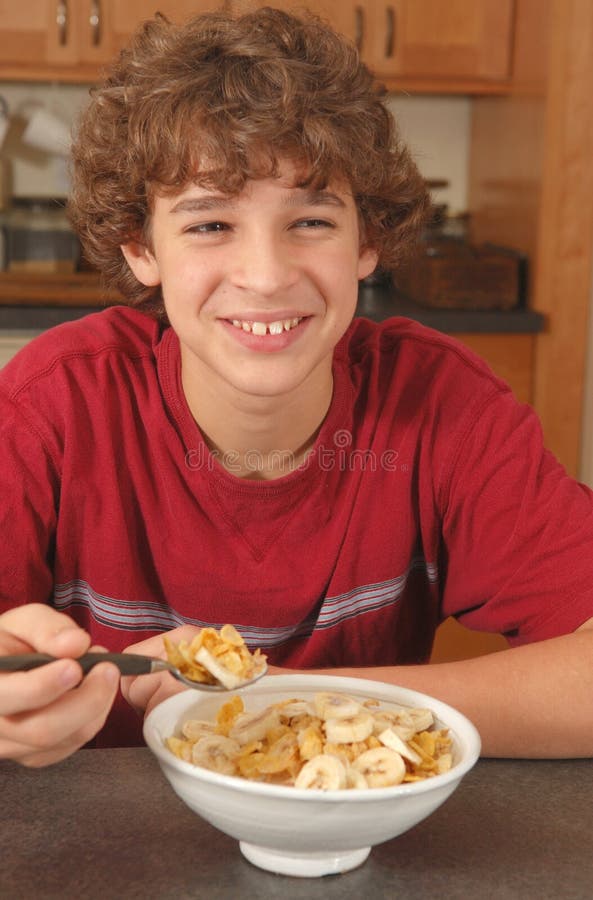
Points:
(437, 129)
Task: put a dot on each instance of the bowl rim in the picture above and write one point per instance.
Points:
(448, 715)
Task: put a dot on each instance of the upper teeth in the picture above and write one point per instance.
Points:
(262, 328)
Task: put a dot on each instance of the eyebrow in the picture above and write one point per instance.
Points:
(220, 201)
(315, 198)
(200, 204)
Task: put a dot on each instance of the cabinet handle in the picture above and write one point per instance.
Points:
(62, 22)
(95, 22)
(358, 27)
(390, 32)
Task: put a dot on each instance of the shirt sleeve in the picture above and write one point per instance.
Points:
(518, 531)
(29, 488)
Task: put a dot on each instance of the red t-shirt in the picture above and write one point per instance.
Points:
(428, 493)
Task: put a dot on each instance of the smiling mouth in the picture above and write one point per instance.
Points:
(260, 329)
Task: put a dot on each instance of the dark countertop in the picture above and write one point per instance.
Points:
(379, 303)
(105, 824)
(375, 302)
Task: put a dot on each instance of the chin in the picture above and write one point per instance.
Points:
(277, 380)
(267, 389)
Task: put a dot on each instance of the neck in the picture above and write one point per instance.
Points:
(259, 437)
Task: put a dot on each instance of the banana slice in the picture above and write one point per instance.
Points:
(381, 767)
(390, 739)
(292, 709)
(355, 779)
(216, 753)
(398, 720)
(322, 773)
(349, 729)
(329, 705)
(229, 679)
(254, 726)
(423, 719)
(194, 729)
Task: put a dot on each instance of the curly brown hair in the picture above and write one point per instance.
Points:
(244, 91)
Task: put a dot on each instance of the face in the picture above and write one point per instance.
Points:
(260, 286)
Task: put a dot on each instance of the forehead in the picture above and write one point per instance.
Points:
(293, 182)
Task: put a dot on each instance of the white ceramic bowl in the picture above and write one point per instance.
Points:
(306, 832)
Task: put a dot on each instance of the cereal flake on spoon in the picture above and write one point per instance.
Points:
(216, 657)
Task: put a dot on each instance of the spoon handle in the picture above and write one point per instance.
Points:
(127, 663)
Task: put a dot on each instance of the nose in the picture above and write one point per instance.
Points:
(263, 264)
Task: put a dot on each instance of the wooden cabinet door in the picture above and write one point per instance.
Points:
(438, 39)
(91, 31)
(31, 32)
(72, 39)
(54, 33)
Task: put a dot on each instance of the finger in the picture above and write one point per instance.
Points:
(45, 629)
(145, 692)
(24, 755)
(34, 758)
(37, 689)
(71, 718)
(138, 691)
(10, 644)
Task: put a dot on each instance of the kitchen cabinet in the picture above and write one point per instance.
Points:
(50, 35)
(460, 39)
(416, 45)
(424, 45)
(71, 40)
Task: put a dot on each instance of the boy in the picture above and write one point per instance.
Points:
(232, 447)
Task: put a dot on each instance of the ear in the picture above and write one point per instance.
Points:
(142, 262)
(367, 262)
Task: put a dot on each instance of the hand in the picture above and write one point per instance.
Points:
(144, 692)
(42, 719)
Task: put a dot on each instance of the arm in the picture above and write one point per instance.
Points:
(42, 720)
(533, 701)
(516, 559)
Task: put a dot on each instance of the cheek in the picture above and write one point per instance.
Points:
(183, 280)
(340, 266)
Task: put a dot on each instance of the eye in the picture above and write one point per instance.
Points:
(208, 228)
(313, 223)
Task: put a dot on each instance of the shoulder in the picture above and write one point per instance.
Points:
(404, 351)
(120, 331)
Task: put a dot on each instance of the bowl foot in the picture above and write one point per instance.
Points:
(303, 865)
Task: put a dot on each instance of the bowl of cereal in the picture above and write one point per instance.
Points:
(309, 772)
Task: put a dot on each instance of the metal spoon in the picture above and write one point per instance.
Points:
(127, 663)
